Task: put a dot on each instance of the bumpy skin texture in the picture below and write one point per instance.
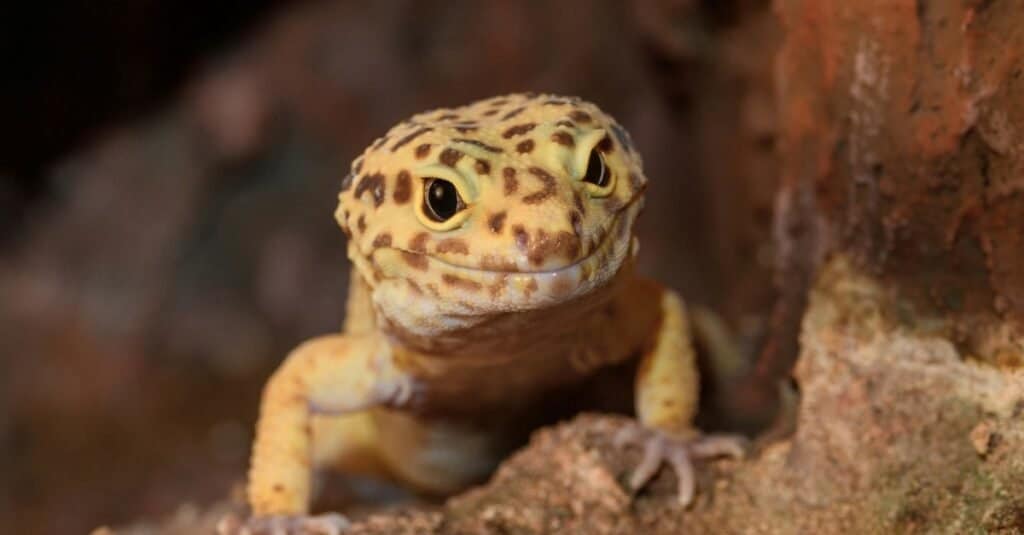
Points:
(457, 329)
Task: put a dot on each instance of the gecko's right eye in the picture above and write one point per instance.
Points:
(441, 200)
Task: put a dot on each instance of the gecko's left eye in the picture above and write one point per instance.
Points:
(597, 171)
(441, 199)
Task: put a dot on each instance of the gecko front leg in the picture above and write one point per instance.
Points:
(329, 375)
(667, 388)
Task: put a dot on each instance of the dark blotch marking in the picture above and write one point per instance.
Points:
(465, 129)
(499, 102)
(418, 243)
(452, 245)
(544, 245)
(422, 151)
(606, 145)
(563, 138)
(408, 139)
(513, 113)
(361, 223)
(550, 185)
(481, 144)
(580, 116)
(518, 130)
(525, 147)
(358, 167)
(374, 184)
(459, 282)
(450, 157)
(378, 142)
(447, 117)
(522, 237)
(496, 222)
(483, 167)
(497, 263)
(489, 113)
(510, 180)
(382, 240)
(346, 182)
(415, 261)
(555, 102)
(403, 188)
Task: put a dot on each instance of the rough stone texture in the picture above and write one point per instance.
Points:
(902, 150)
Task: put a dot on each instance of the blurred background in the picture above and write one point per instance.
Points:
(168, 172)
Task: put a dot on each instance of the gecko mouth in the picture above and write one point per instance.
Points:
(505, 266)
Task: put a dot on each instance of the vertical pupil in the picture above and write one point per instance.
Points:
(442, 199)
(596, 173)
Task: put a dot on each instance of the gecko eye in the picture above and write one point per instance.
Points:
(441, 199)
(597, 173)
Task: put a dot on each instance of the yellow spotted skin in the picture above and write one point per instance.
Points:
(458, 327)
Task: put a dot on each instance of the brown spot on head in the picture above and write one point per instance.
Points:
(511, 183)
(483, 167)
(361, 223)
(544, 245)
(382, 240)
(418, 243)
(606, 145)
(447, 117)
(459, 282)
(415, 288)
(518, 130)
(374, 184)
(555, 102)
(513, 113)
(403, 188)
(548, 189)
(411, 136)
(465, 129)
(497, 263)
(524, 147)
(522, 237)
(481, 144)
(491, 112)
(415, 261)
(452, 245)
(498, 102)
(496, 222)
(563, 138)
(357, 167)
(450, 157)
(580, 116)
(422, 151)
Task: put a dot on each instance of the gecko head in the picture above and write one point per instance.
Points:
(514, 203)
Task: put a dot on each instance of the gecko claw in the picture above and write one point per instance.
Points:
(680, 453)
(325, 524)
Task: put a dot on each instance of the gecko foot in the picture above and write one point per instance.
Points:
(660, 447)
(325, 524)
